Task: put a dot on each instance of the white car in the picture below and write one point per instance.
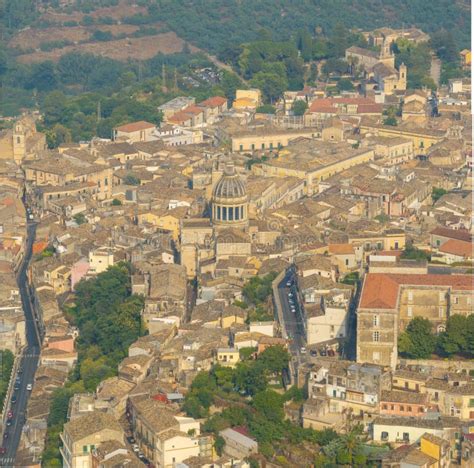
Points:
(303, 350)
(29, 387)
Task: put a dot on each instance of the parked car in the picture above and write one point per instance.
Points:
(29, 387)
(322, 352)
(10, 414)
(3, 450)
(303, 350)
(331, 352)
(13, 399)
(313, 353)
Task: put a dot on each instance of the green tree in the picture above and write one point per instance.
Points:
(344, 85)
(116, 202)
(418, 340)
(270, 404)
(459, 336)
(271, 85)
(266, 109)
(299, 107)
(437, 193)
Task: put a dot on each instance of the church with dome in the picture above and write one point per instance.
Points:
(229, 203)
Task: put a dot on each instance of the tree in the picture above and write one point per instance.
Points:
(458, 337)
(266, 109)
(271, 85)
(418, 341)
(274, 359)
(116, 202)
(391, 121)
(299, 107)
(270, 404)
(344, 85)
(80, 218)
(130, 179)
(437, 193)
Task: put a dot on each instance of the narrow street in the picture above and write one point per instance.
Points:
(292, 321)
(29, 360)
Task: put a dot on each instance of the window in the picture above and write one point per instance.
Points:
(218, 212)
(231, 213)
(441, 311)
(410, 311)
(241, 147)
(441, 296)
(376, 356)
(375, 321)
(224, 213)
(402, 408)
(409, 408)
(376, 336)
(253, 146)
(455, 299)
(263, 145)
(406, 436)
(471, 403)
(384, 407)
(84, 449)
(384, 435)
(410, 295)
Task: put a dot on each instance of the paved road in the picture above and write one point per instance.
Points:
(29, 361)
(292, 321)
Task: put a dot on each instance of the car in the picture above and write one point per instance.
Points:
(18, 380)
(29, 387)
(131, 440)
(10, 414)
(16, 387)
(288, 283)
(141, 455)
(290, 294)
(322, 352)
(135, 448)
(3, 450)
(303, 350)
(331, 352)
(5, 435)
(9, 422)
(313, 353)
(13, 399)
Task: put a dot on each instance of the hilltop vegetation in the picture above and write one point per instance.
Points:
(213, 24)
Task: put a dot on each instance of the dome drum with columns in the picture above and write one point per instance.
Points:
(229, 200)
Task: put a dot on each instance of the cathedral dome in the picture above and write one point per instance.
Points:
(230, 185)
(229, 200)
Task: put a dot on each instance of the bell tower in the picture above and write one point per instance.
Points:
(386, 54)
(19, 145)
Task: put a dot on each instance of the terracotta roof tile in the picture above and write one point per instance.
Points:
(380, 290)
(457, 247)
(135, 126)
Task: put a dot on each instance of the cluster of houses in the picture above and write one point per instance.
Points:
(221, 193)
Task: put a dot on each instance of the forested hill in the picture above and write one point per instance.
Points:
(215, 24)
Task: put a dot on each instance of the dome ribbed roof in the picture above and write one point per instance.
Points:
(230, 185)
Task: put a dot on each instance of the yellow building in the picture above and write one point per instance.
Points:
(465, 58)
(437, 448)
(314, 161)
(388, 302)
(228, 357)
(166, 220)
(247, 99)
(422, 138)
(268, 139)
(81, 436)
